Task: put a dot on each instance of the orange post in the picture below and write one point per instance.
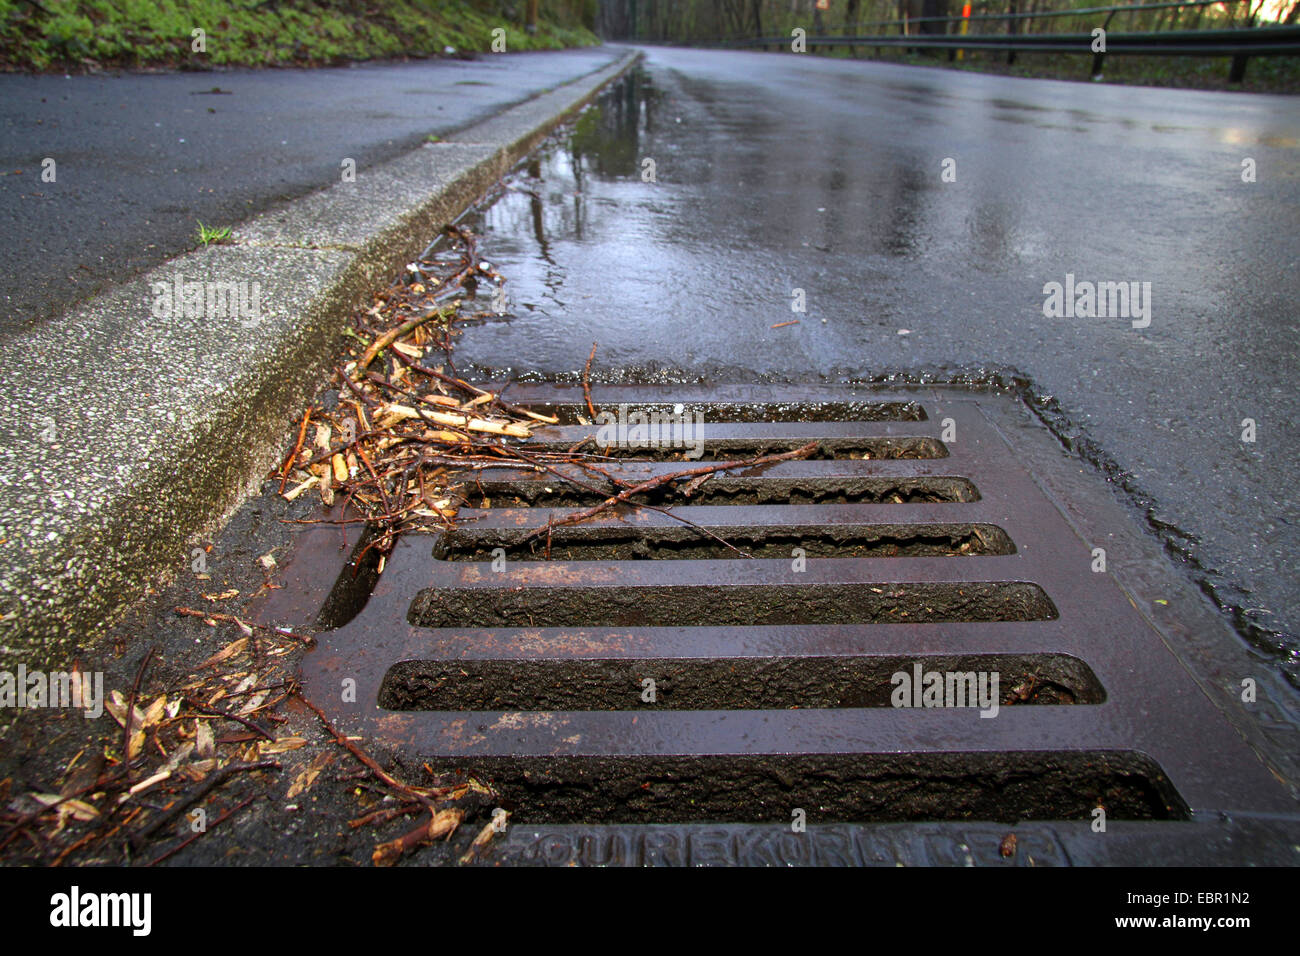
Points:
(965, 25)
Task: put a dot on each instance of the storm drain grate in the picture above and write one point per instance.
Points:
(648, 674)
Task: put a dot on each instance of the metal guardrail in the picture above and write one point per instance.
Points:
(1048, 14)
(1257, 42)
(1240, 44)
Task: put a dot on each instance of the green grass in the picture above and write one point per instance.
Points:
(209, 234)
(75, 34)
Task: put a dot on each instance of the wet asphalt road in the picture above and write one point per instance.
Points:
(140, 157)
(783, 172)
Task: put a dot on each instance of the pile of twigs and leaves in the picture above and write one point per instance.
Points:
(158, 785)
(403, 433)
(174, 748)
(404, 429)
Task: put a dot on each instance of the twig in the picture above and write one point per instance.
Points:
(656, 482)
(231, 619)
(213, 712)
(210, 827)
(58, 860)
(586, 382)
(33, 816)
(620, 483)
(347, 380)
(496, 399)
(288, 462)
(129, 719)
(213, 781)
(384, 815)
(442, 823)
(411, 793)
(392, 335)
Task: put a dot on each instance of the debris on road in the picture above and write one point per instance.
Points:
(402, 429)
(394, 446)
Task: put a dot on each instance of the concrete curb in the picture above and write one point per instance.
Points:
(110, 470)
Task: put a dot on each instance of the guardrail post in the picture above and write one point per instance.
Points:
(1013, 27)
(1098, 58)
(965, 26)
(1238, 71)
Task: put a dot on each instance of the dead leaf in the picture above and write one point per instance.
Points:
(303, 782)
(179, 755)
(283, 745)
(199, 769)
(155, 711)
(249, 681)
(78, 809)
(230, 650)
(253, 703)
(116, 707)
(204, 740)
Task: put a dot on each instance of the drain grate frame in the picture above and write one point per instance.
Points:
(1149, 707)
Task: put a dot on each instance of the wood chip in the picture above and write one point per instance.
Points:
(149, 782)
(401, 412)
(340, 468)
(294, 492)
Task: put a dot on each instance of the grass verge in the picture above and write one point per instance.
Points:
(96, 34)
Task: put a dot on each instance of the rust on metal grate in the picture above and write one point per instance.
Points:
(915, 542)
